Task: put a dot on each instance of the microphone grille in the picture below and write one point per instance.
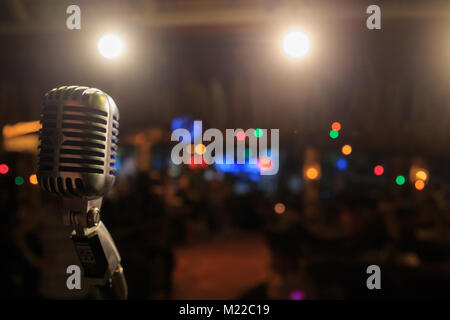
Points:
(78, 141)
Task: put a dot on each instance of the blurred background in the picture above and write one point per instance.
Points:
(364, 123)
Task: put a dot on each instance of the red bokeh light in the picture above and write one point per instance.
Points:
(378, 170)
(4, 168)
(336, 126)
(240, 135)
(265, 163)
(194, 166)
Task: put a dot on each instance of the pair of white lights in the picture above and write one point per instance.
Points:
(295, 44)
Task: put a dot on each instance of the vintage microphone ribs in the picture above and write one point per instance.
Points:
(78, 142)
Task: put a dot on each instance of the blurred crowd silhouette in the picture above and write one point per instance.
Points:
(154, 213)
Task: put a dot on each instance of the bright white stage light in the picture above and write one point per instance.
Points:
(110, 46)
(296, 44)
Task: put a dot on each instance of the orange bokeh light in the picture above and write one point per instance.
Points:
(312, 173)
(336, 126)
(419, 184)
(279, 208)
(265, 163)
(200, 149)
(33, 179)
(346, 150)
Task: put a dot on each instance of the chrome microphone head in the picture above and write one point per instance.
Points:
(78, 142)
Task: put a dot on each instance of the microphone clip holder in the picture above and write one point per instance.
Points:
(94, 245)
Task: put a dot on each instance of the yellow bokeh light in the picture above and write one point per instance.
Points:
(110, 46)
(33, 179)
(200, 149)
(279, 208)
(346, 150)
(312, 173)
(422, 175)
(296, 44)
(20, 129)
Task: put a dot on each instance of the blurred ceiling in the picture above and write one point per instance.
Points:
(30, 16)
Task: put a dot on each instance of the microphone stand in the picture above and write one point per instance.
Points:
(95, 247)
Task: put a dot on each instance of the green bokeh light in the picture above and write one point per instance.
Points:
(258, 132)
(18, 181)
(247, 153)
(400, 180)
(334, 134)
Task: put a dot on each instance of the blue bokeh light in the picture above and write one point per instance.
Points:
(342, 164)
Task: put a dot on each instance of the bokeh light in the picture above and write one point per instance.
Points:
(312, 173)
(197, 158)
(258, 132)
(174, 171)
(247, 153)
(297, 295)
(18, 181)
(419, 185)
(336, 126)
(265, 163)
(279, 208)
(346, 150)
(296, 44)
(33, 179)
(200, 149)
(4, 168)
(378, 170)
(208, 175)
(422, 175)
(334, 134)
(240, 135)
(400, 180)
(341, 164)
(110, 46)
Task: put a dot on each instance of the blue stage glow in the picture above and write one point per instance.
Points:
(178, 123)
(158, 162)
(230, 168)
(254, 177)
(208, 175)
(295, 183)
(118, 164)
(187, 123)
(241, 188)
(342, 164)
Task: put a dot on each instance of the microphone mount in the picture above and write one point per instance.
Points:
(95, 247)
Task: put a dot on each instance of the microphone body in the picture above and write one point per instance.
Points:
(77, 157)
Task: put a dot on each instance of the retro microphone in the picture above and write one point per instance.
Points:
(77, 156)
